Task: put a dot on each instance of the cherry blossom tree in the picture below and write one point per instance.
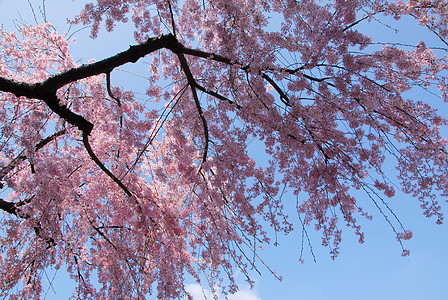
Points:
(130, 196)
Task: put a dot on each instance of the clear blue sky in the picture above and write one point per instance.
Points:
(374, 270)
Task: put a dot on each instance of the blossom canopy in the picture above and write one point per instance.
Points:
(133, 194)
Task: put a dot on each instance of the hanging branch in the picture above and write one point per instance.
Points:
(85, 141)
(109, 91)
(192, 83)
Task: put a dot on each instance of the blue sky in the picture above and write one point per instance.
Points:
(373, 270)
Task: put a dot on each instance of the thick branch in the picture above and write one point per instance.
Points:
(66, 114)
(46, 90)
(47, 93)
(8, 207)
(132, 55)
(11, 207)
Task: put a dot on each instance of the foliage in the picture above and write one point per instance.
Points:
(138, 194)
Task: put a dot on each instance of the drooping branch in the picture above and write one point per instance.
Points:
(109, 91)
(85, 140)
(192, 83)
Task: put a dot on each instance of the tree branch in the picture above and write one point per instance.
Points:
(8, 207)
(132, 55)
(283, 97)
(216, 95)
(46, 90)
(192, 83)
(85, 140)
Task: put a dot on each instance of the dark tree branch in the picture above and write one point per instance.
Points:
(173, 24)
(208, 55)
(357, 22)
(193, 85)
(132, 55)
(11, 207)
(85, 140)
(318, 79)
(48, 139)
(283, 97)
(8, 207)
(109, 91)
(229, 61)
(216, 95)
(46, 90)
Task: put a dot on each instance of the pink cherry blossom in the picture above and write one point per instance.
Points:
(130, 195)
